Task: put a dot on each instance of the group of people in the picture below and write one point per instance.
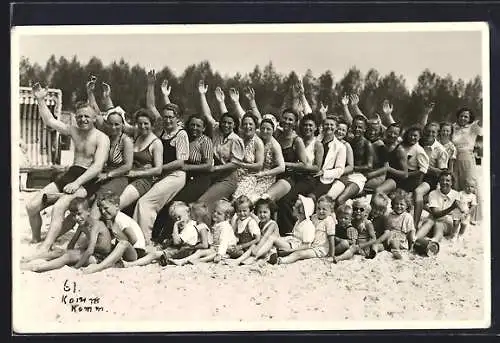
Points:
(249, 187)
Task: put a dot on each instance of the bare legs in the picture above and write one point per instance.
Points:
(278, 190)
(33, 208)
(123, 250)
(418, 199)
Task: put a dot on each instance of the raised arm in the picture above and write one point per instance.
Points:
(234, 94)
(387, 109)
(354, 103)
(205, 108)
(166, 89)
(323, 110)
(107, 102)
(345, 108)
(303, 99)
(92, 102)
(150, 95)
(250, 94)
(425, 116)
(47, 117)
(219, 95)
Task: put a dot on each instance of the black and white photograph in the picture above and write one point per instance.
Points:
(249, 177)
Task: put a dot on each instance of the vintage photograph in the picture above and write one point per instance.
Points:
(250, 177)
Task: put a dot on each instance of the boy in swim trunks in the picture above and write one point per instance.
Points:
(91, 153)
(98, 242)
(128, 239)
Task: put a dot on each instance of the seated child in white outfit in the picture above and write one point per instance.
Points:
(399, 223)
(467, 203)
(222, 237)
(302, 234)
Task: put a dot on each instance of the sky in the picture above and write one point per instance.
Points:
(407, 53)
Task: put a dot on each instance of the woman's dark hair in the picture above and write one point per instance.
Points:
(472, 117)
(273, 208)
(206, 124)
(332, 117)
(360, 118)
(308, 117)
(142, 112)
(445, 173)
(269, 121)
(172, 107)
(234, 118)
(117, 114)
(396, 124)
(292, 111)
(407, 133)
(251, 116)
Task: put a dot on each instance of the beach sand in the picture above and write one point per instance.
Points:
(447, 287)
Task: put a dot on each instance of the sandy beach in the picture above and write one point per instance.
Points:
(448, 287)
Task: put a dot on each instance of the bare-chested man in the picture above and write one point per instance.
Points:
(91, 152)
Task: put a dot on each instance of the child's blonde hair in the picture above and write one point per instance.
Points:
(362, 204)
(242, 199)
(328, 199)
(471, 181)
(226, 207)
(176, 205)
(400, 194)
(199, 212)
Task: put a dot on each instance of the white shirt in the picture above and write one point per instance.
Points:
(305, 231)
(335, 161)
(442, 201)
(417, 158)
(438, 157)
(223, 237)
(122, 221)
(189, 234)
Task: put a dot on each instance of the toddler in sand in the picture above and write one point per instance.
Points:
(345, 234)
(189, 234)
(246, 230)
(323, 244)
(467, 203)
(302, 234)
(98, 244)
(379, 204)
(366, 233)
(222, 237)
(399, 223)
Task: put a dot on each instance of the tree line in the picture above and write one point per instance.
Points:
(272, 89)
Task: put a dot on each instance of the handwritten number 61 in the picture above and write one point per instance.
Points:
(68, 286)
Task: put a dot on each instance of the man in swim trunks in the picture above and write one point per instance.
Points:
(91, 152)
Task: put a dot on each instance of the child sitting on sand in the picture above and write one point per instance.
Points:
(302, 234)
(379, 204)
(323, 244)
(467, 203)
(128, 241)
(246, 230)
(222, 235)
(265, 210)
(345, 234)
(98, 244)
(366, 233)
(400, 223)
(187, 237)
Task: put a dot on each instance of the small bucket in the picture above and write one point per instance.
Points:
(50, 198)
(426, 247)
